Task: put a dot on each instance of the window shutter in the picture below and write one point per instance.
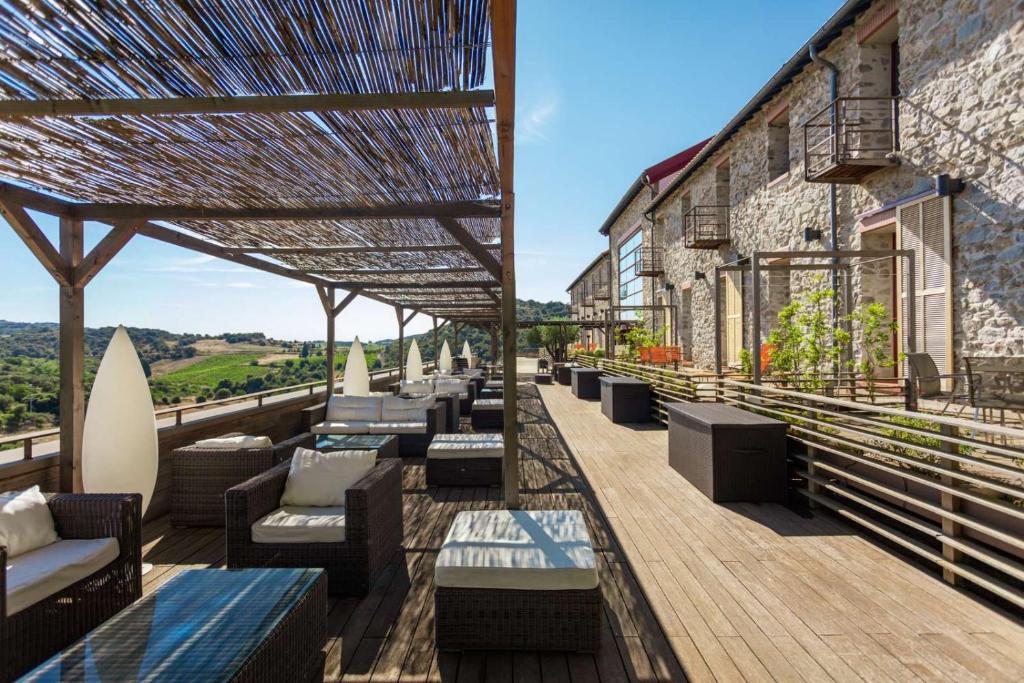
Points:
(733, 317)
(924, 227)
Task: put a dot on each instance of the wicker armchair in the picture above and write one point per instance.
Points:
(201, 476)
(373, 528)
(32, 635)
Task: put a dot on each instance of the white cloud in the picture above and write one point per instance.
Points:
(537, 118)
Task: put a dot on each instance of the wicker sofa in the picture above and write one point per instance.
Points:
(373, 528)
(33, 633)
(202, 475)
(415, 428)
(466, 388)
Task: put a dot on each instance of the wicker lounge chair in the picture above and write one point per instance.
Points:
(202, 475)
(31, 635)
(373, 528)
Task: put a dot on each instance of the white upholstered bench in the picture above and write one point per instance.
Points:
(517, 580)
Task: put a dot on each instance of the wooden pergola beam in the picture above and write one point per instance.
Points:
(102, 253)
(477, 249)
(440, 284)
(275, 104)
(327, 251)
(108, 212)
(394, 271)
(26, 228)
(494, 297)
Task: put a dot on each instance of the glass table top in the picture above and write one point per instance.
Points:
(201, 625)
(354, 441)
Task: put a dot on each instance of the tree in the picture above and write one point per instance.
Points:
(555, 338)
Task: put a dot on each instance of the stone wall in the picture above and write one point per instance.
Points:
(961, 75)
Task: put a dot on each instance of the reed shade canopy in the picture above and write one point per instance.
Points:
(348, 141)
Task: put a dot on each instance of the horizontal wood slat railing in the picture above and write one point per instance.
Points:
(27, 439)
(945, 489)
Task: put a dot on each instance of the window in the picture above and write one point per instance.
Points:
(722, 188)
(684, 208)
(631, 286)
(778, 145)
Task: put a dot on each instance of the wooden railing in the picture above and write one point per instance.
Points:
(948, 490)
(29, 439)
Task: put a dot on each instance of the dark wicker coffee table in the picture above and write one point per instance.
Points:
(465, 460)
(542, 378)
(488, 413)
(208, 625)
(386, 445)
(585, 383)
(625, 399)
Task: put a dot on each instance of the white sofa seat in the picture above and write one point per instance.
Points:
(460, 446)
(410, 427)
(517, 550)
(294, 524)
(343, 427)
(38, 574)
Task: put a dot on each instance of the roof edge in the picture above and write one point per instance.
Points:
(630, 195)
(604, 254)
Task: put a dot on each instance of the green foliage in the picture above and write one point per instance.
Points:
(877, 329)
(555, 338)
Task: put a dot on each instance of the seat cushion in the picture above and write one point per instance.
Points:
(295, 524)
(353, 408)
(397, 409)
(457, 446)
(38, 574)
(26, 522)
(398, 428)
(320, 479)
(518, 550)
(489, 404)
(230, 443)
(342, 427)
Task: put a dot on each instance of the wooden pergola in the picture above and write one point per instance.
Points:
(344, 144)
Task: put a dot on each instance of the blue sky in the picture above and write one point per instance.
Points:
(605, 89)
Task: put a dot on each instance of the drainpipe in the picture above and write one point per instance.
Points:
(833, 93)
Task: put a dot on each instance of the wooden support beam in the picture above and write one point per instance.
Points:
(399, 314)
(328, 301)
(71, 360)
(327, 251)
(477, 249)
(257, 104)
(26, 228)
(349, 298)
(338, 272)
(409, 317)
(503, 49)
(440, 284)
(434, 318)
(31, 199)
(494, 297)
(167, 212)
(103, 252)
(325, 299)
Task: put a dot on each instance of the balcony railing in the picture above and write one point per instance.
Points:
(706, 227)
(601, 291)
(851, 138)
(650, 262)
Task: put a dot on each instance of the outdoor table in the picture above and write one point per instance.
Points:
(625, 399)
(465, 460)
(585, 383)
(488, 413)
(208, 625)
(386, 445)
(563, 374)
(729, 454)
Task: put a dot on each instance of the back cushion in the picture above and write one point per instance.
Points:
(318, 479)
(406, 409)
(353, 408)
(417, 387)
(26, 522)
(450, 385)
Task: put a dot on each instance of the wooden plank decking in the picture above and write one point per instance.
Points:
(758, 592)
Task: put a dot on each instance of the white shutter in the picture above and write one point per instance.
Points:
(733, 317)
(925, 227)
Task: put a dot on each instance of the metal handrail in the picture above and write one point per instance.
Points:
(706, 222)
(839, 132)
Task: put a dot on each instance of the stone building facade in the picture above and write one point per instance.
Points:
(926, 141)
(589, 299)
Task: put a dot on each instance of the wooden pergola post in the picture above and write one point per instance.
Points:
(503, 46)
(400, 314)
(436, 356)
(494, 343)
(329, 351)
(71, 355)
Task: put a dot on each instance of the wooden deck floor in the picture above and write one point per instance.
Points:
(388, 635)
(759, 592)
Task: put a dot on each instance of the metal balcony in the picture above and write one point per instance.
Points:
(706, 227)
(650, 262)
(601, 291)
(851, 138)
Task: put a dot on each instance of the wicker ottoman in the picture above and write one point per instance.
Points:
(563, 374)
(465, 460)
(585, 383)
(625, 399)
(542, 378)
(517, 580)
(488, 413)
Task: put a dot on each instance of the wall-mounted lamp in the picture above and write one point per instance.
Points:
(811, 234)
(699, 275)
(945, 186)
(668, 287)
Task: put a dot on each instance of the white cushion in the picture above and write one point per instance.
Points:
(353, 408)
(340, 427)
(397, 409)
(301, 525)
(457, 446)
(398, 428)
(234, 442)
(452, 386)
(489, 404)
(419, 388)
(518, 550)
(36, 575)
(320, 479)
(26, 522)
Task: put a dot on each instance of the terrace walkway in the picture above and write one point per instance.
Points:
(758, 591)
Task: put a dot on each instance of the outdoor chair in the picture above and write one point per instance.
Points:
(645, 354)
(658, 355)
(996, 383)
(371, 521)
(53, 595)
(926, 381)
(413, 421)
